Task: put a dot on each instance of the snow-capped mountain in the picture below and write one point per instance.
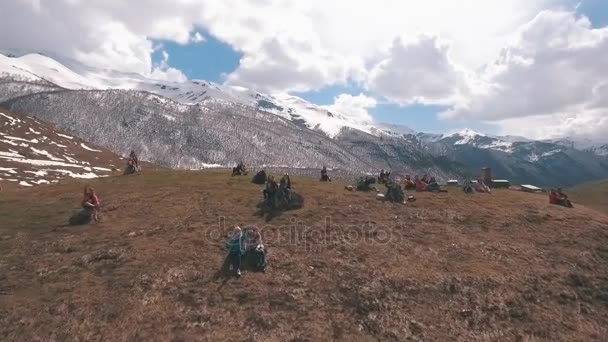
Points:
(70, 74)
(520, 159)
(597, 147)
(197, 123)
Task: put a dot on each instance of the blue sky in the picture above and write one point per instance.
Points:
(212, 60)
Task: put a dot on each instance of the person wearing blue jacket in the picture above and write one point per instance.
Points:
(236, 250)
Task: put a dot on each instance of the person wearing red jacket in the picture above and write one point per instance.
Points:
(91, 202)
(559, 198)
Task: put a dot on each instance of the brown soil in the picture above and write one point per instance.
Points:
(500, 267)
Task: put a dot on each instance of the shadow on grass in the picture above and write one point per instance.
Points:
(81, 218)
(270, 212)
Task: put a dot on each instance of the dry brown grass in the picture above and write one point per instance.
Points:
(506, 266)
(593, 195)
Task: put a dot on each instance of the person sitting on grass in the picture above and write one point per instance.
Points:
(239, 170)
(133, 157)
(408, 183)
(482, 187)
(433, 186)
(467, 187)
(90, 202)
(324, 175)
(235, 250)
(285, 186)
(559, 198)
(131, 168)
(270, 191)
(254, 248)
(421, 185)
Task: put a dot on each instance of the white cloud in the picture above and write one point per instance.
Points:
(554, 67)
(591, 124)
(287, 45)
(551, 81)
(162, 71)
(197, 37)
(549, 65)
(355, 107)
(417, 72)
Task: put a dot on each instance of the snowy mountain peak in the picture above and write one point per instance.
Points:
(465, 133)
(73, 75)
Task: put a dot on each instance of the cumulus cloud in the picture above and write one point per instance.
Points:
(554, 67)
(592, 124)
(100, 33)
(550, 81)
(355, 107)
(549, 65)
(162, 71)
(286, 45)
(417, 72)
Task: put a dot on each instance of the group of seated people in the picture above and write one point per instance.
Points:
(274, 193)
(246, 245)
(384, 177)
(239, 170)
(426, 183)
(556, 196)
(365, 183)
(395, 193)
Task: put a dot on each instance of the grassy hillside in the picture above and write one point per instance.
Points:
(506, 266)
(593, 195)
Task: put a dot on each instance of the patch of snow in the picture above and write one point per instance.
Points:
(8, 169)
(10, 155)
(24, 183)
(46, 153)
(504, 146)
(37, 162)
(39, 173)
(65, 136)
(89, 149)
(33, 141)
(10, 142)
(88, 175)
(12, 121)
(33, 131)
(169, 117)
(101, 169)
(550, 153)
(56, 144)
(533, 157)
(40, 181)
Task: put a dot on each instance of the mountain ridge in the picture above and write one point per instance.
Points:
(198, 123)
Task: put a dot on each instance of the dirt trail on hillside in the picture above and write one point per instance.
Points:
(500, 267)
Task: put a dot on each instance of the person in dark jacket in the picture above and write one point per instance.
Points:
(285, 187)
(271, 190)
(324, 175)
